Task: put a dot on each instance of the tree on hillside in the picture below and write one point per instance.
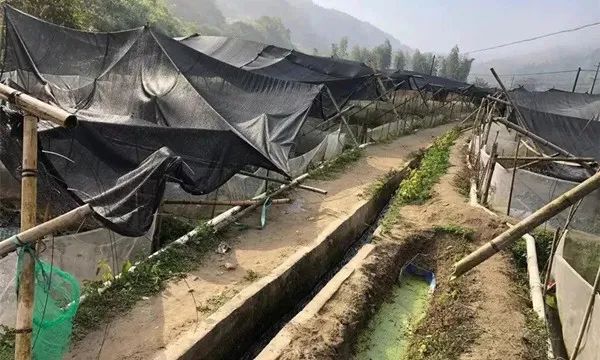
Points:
(419, 62)
(356, 54)
(343, 48)
(383, 54)
(400, 60)
(335, 52)
(480, 82)
(244, 31)
(315, 51)
(274, 31)
(452, 64)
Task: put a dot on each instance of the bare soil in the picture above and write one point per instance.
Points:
(155, 322)
(488, 315)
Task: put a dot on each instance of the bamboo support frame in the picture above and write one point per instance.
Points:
(35, 233)
(37, 108)
(526, 225)
(488, 176)
(25, 298)
(541, 141)
(512, 180)
(300, 186)
(545, 158)
(344, 120)
(225, 202)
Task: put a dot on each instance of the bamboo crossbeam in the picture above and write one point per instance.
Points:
(38, 108)
(545, 158)
(225, 202)
(490, 97)
(526, 225)
(540, 140)
(38, 232)
(300, 186)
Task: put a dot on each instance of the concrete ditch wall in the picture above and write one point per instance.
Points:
(233, 328)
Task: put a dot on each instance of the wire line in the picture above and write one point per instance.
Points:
(581, 27)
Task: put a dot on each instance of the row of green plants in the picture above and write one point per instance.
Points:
(416, 188)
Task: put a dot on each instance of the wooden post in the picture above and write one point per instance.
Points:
(576, 79)
(25, 297)
(512, 180)
(526, 225)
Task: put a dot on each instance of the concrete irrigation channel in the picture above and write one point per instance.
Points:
(243, 326)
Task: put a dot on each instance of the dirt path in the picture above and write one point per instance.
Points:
(183, 304)
(493, 312)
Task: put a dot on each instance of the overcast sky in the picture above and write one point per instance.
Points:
(436, 25)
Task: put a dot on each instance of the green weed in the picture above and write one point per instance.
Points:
(417, 187)
(331, 169)
(463, 232)
(150, 278)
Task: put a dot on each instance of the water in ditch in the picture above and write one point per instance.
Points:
(388, 331)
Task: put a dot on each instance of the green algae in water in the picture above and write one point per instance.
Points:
(388, 332)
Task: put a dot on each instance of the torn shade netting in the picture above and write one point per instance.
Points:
(143, 99)
(569, 120)
(347, 80)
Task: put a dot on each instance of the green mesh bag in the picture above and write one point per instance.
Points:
(56, 302)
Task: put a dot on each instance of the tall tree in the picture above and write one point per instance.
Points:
(419, 62)
(343, 48)
(432, 63)
(335, 51)
(452, 68)
(274, 31)
(399, 60)
(356, 54)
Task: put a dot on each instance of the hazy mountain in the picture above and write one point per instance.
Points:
(311, 26)
(561, 61)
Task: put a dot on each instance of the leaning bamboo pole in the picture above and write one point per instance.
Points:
(25, 297)
(526, 225)
(59, 223)
(225, 202)
(586, 316)
(37, 108)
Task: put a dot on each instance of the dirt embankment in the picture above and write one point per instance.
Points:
(476, 317)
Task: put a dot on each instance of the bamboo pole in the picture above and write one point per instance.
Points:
(545, 158)
(555, 240)
(586, 316)
(37, 107)
(28, 236)
(535, 284)
(344, 121)
(512, 180)
(490, 97)
(526, 225)
(520, 117)
(25, 299)
(225, 202)
(300, 186)
(488, 179)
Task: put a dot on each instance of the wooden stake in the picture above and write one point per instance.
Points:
(344, 121)
(526, 225)
(512, 180)
(25, 299)
(300, 186)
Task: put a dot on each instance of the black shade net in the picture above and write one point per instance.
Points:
(569, 120)
(151, 110)
(347, 80)
(435, 84)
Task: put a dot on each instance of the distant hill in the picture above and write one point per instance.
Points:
(311, 26)
(555, 59)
